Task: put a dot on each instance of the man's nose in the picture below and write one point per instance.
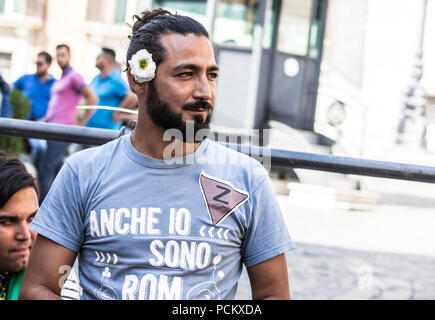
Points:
(22, 232)
(203, 89)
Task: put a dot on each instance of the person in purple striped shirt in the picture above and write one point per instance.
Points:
(62, 109)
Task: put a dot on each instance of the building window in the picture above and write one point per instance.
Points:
(143, 5)
(13, 7)
(95, 10)
(236, 19)
(35, 8)
(195, 9)
(20, 6)
(120, 11)
(5, 64)
(235, 22)
(294, 27)
(5, 60)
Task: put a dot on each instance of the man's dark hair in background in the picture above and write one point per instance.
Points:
(60, 46)
(13, 177)
(47, 56)
(109, 52)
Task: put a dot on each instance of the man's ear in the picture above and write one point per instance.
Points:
(136, 87)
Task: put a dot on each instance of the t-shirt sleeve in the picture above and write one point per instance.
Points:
(60, 217)
(267, 235)
(78, 82)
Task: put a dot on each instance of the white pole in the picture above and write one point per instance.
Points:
(211, 16)
(255, 68)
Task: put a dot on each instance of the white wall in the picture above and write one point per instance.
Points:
(21, 47)
(393, 29)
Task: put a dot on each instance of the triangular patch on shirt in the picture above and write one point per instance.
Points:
(221, 197)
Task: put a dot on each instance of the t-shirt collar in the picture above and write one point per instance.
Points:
(50, 78)
(67, 70)
(138, 157)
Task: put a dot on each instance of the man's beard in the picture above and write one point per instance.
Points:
(99, 66)
(161, 114)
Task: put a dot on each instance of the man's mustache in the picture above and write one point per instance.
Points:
(198, 105)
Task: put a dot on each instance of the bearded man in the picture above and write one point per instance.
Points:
(153, 224)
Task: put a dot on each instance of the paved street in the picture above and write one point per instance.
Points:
(383, 252)
(323, 272)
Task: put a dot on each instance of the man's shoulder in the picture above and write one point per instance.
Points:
(29, 76)
(51, 79)
(94, 158)
(74, 74)
(23, 78)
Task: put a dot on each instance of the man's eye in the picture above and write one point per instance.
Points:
(213, 75)
(6, 223)
(185, 74)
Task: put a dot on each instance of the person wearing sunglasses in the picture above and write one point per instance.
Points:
(36, 87)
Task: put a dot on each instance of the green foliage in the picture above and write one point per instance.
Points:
(20, 104)
(20, 108)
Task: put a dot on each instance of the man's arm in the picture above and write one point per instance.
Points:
(129, 102)
(43, 273)
(90, 100)
(269, 279)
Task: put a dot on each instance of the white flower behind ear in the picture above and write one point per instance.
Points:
(142, 66)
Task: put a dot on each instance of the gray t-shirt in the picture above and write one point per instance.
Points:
(148, 229)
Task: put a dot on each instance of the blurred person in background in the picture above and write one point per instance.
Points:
(66, 94)
(112, 91)
(18, 206)
(36, 87)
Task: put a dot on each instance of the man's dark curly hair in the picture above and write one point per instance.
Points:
(13, 177)
(148, 29)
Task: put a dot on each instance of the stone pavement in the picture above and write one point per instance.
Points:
(331, 273)
(384, 252)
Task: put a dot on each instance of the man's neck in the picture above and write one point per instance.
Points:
(106, 71)
(43, 77)
(147, 139)
(65, 69)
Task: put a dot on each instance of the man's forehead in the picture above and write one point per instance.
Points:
(17, 214)
(5, 213)
(62, 50)
(183, 48)
(8, 213)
